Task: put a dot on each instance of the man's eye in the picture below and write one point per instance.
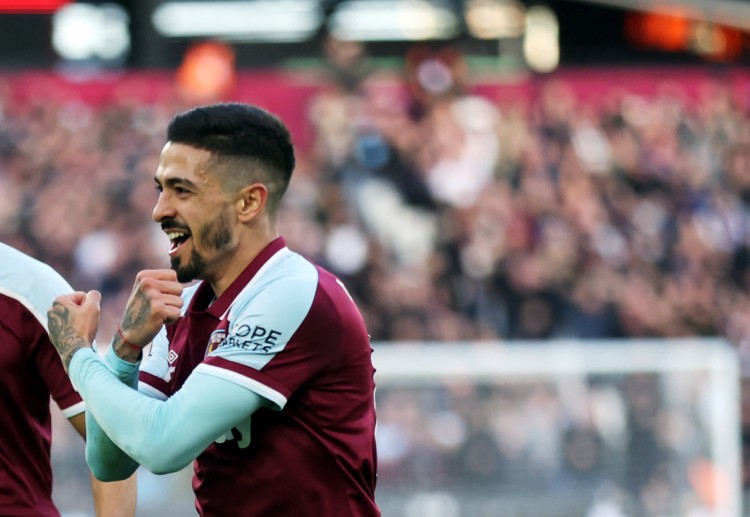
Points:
(159, 189)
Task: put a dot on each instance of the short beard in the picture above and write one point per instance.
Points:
(217, 235)
(195, 267)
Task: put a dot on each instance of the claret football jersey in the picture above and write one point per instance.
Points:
(289, 331)
(30, 372)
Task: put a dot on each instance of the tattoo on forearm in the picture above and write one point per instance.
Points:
(63, 336)
(137, 314)
(134, 316)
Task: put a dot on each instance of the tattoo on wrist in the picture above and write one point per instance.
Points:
(62, 335)
(134, 316)
(67, 354)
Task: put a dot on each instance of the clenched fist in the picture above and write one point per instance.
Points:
(154, 301)
(72, 322)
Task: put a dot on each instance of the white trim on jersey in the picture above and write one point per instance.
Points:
(152, 392)
(75, 409)
(41, 318)
(255, 386)
(38, 282)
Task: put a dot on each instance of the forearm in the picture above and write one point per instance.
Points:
(163, 436)
(115, 499)
(125, 350)
(107, 461)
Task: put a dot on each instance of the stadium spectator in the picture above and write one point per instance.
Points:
(32, 373)
(261, 373)
(620, 211)
(621, 189)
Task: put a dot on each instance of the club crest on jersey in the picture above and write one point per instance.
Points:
(172, 356)
(217, 336)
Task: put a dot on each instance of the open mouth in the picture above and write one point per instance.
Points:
(178, 239)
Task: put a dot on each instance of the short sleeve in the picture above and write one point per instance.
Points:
(266, 348)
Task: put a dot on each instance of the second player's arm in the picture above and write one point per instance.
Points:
(117, 499)
(109, 461)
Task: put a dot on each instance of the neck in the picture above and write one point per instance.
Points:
(248, 248)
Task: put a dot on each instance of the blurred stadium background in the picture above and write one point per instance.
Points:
(542, 208)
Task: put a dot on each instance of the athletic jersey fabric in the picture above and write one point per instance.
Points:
(288, 331)
(30, 372)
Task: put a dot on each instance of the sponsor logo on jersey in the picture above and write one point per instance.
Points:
(172, 357)
(255, 338)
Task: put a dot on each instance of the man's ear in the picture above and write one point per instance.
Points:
(252, 201)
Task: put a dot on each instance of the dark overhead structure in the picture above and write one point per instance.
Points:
(157, 33)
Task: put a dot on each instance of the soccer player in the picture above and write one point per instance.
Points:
(261, 372)
(31, 372)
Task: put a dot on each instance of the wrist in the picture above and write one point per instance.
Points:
(67, 356)
(126, 350)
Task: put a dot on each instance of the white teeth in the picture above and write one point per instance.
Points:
(175, 235)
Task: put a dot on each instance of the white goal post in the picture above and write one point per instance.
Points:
(698, 376)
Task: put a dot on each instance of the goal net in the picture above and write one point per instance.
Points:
(560, 428)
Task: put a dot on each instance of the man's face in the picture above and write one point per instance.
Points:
(195, 213)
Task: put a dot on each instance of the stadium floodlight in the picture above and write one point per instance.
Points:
(248, 21)
(394, 20)
(493, 19)
(91, 32)
(541, 44)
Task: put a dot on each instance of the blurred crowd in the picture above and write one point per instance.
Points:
(457, 217)
(448, 214)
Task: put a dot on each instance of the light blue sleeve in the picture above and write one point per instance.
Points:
(163, 436)
(104, 457)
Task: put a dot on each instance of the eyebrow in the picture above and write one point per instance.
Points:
(172, 182)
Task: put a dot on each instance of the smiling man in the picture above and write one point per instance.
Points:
(261, 372)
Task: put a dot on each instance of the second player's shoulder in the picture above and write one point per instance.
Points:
(33, 283)
(20, 268)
